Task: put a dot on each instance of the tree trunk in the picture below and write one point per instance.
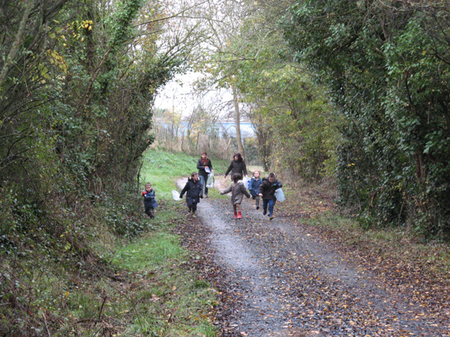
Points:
(17, 42)
(237, 121)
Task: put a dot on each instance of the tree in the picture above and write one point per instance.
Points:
(386, 66)
(223, 21)
(288, 109)
(77, 82)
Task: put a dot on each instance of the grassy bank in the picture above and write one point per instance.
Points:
(139, 284)
(163, 168)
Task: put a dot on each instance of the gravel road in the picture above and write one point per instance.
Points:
(278, 280)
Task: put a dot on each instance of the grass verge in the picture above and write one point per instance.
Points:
(143, 284)
(163, 168)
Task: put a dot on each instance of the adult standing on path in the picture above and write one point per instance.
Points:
(204, 166)
(237, 165)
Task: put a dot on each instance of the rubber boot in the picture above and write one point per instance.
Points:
(239, 215)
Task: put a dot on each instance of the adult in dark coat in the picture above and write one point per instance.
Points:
(237, 165)
(204, 166)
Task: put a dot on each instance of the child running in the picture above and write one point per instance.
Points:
(237, 190)
(194, 191)
(253, 187)
(149, 200)
(267, 191)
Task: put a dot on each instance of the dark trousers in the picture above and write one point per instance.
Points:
(203, 180)
(149, 212)
(256, 198)
(270, 203)
(192, 204)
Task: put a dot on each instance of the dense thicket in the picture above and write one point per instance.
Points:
(75, 107)
(387, 67)
(77, 80)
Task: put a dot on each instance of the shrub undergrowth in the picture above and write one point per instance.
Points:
(103, 267)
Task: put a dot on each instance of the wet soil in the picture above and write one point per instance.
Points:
(277, 279)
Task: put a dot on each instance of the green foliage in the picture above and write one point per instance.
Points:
(70, 272)
(76, 99)
(121, 23)
(291, 114)
(385, 69)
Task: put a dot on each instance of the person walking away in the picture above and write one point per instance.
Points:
(267, 191)
(194, 192)
(253, 187)
(238, 190)
(149, 200)
(204, 167)
(237, 165)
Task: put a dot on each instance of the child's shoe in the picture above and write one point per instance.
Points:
(235, 215)
(271, 217)
(193, 214)
(265, 212)
(257, 207)
(239, 215)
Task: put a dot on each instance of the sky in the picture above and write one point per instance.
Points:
(179, 95)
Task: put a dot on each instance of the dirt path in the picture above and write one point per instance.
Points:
(277, 280)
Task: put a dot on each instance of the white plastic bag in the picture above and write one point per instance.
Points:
(210, 181)
(279, 194)
(245, 180)
(176, 195)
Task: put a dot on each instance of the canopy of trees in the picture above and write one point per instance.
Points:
(291, 114)
(76, 86)
(386, 65)
(77, 81)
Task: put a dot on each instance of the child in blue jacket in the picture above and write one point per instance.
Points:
(253, 187)
(149, 200)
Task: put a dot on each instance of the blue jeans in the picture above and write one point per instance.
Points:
(203, 181)
(270, 203)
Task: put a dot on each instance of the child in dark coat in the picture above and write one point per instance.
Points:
(267, 191)
(149, 200)
(238, 191)
(194, 191)
(253, 187)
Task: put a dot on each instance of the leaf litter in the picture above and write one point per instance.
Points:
(283, 278)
